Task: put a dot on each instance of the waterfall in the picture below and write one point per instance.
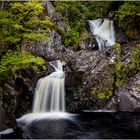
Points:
(103, 30)
(50, 92)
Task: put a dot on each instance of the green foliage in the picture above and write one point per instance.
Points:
(104, 94)
(134, 66)
(71, 38)
(129, 16)
(8, 35)
(135, 57)
(74, 15)
(120, 73)
(123, 71)
(128, 9)
(14, 61)
(101, 94)
(23, 20)
(121, 76)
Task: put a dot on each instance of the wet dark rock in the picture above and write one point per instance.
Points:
(8, 133)
(121, 36)
(73, 85)
(50, 10)
(129, 95)
(11, 133)
(16, 97)
(111, 15)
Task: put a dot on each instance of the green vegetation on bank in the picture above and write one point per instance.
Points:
(101, 94)
(13, 61)
(129, 17)
(74, 15)
(124, 71)
(117, 72)
(21, 22)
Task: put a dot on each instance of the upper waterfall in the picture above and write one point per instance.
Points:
(50, 91)
(103, 31)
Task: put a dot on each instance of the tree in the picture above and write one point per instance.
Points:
(23, 20)
(13, 61)
(20, 21)
(129, 16)
(74, 15)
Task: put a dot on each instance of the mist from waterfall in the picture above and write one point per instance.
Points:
(103, 30)
(50, 91)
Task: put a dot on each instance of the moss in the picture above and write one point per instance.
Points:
(101, 94)
(120, 68)
(93, 90)
(116, 45)
(58, 30)
(121, 71)
(138, 85)
(35, 68)
(44, 68)
(135, 57)
(129, 70)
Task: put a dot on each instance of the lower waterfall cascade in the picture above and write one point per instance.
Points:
(50, 91)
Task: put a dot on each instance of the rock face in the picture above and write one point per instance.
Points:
(91, 76)
(121, 36)
(129, 95)
(87, 73)
(51, 13)
(16, 96)
(16, 99)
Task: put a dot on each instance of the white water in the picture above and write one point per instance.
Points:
(103, 31)
(29, 118)
(50, 92)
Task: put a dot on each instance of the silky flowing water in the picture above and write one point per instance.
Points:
(50, 91)
(103, 30)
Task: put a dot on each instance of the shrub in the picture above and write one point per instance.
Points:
(129, 17)
(14, 61)
(72, 38)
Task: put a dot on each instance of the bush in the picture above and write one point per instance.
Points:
(101, 94)
(74, 15)
(72, 38)
(23, 20)
(129, 17)
(14, 61)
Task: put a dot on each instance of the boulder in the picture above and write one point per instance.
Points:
(129, 95)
